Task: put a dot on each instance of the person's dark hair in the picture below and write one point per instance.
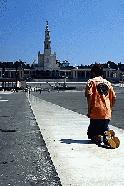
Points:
(97, 69)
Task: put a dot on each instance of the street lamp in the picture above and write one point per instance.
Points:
(3, 75)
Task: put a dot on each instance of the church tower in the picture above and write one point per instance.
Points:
(47, 60)
(47, 41)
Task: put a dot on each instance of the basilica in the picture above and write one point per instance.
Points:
(47, 60)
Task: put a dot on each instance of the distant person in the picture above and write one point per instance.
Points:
(40, 90)
(100, 99)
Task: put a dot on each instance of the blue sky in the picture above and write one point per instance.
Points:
(82, 31)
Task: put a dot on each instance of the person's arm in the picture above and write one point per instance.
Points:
(89, 98)
(88, 95)
(113, 101)
(112, 97)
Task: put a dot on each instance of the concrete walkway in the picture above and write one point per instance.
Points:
(77, 161)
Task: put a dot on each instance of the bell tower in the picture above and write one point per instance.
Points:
(47, 41)
(47, 60)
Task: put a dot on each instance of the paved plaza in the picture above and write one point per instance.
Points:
(78, 161)
(44, 142)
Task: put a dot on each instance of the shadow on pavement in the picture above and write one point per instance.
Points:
(69, 141)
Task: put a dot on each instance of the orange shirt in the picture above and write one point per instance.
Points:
(102, 96)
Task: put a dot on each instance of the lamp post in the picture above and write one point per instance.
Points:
(123, 80)
(16, 74)
(3, 75)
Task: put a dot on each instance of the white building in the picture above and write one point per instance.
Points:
(47, 60)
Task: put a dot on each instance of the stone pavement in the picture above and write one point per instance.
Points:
(24, 158)
(78, 161)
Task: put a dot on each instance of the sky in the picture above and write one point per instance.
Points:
(82, 31)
